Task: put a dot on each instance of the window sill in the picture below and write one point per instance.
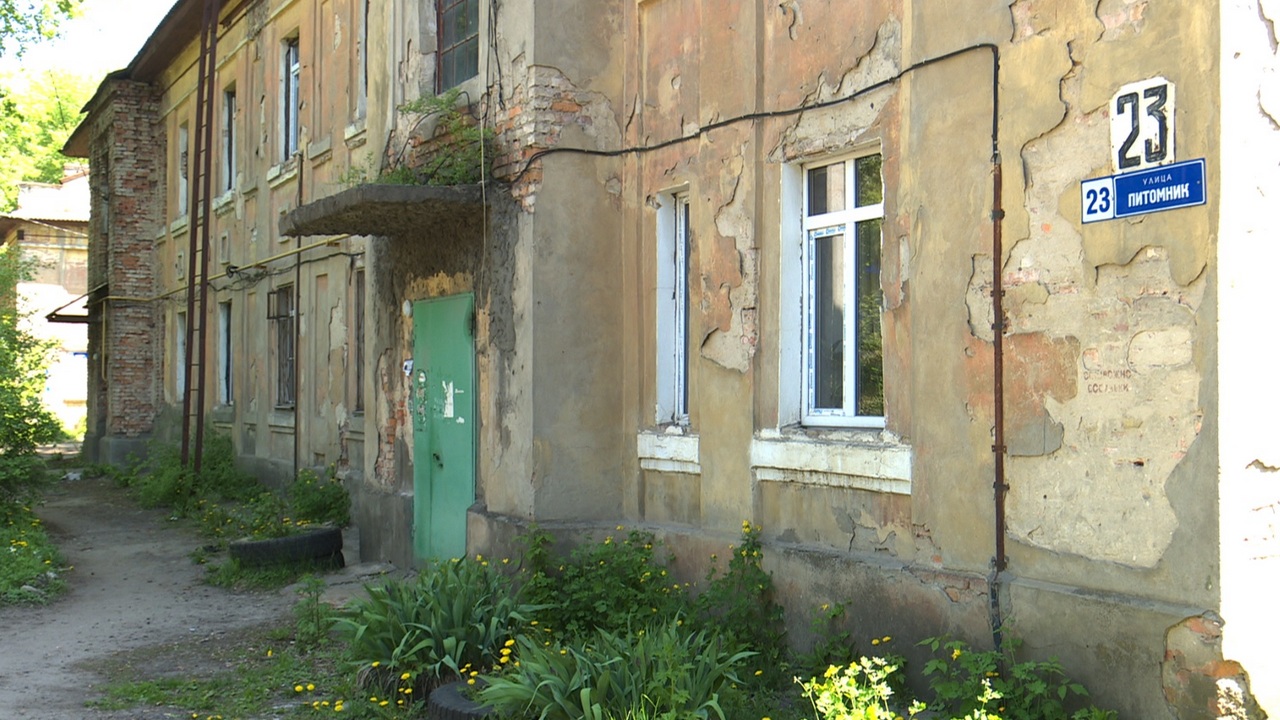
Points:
(178, 225)
(282, 173)
(664, 452)
(863, 460)
(224, 202)
(320, 151)
(282, 417)
(354, 134)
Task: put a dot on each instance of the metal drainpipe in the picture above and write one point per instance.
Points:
(297, 324)
(1000, 487)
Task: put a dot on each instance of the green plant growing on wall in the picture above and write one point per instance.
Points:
(458, 148)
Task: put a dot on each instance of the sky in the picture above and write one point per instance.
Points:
(104, 38)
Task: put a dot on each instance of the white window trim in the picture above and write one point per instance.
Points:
(182, 174)
(879, 466)
(668, 452)
(290, 100)
(794, 344)
(230, 103)
(672, 310)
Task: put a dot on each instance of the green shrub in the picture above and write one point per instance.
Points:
(456, 617)
(740, 604)
(1031, 690)
(610, 585)
(319, 501)
(663, 671)
(22, 479)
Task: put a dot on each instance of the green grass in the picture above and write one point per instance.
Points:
(265, 674)
(28, 558)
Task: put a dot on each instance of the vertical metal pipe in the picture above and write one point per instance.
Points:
(1000, 487)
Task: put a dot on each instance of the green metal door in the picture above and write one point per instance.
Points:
(442, 401)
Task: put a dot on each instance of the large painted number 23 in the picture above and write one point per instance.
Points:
(1156, 148)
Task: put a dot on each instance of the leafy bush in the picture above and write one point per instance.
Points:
(665, 671)
(1031, 690)
(316, 500)
(610, 585)
(25, 423)
(456, 617)
(22, 479)
(740, 604)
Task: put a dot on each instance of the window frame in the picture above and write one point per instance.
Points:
(444, 52)
(226, 356)
(671, 311)
(180, 353)
(182, 173)
(230, 108)
(359, 290)
(290, 99)
(282, 311)
(844, 224)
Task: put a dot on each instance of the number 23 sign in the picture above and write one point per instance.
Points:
(1142, 125)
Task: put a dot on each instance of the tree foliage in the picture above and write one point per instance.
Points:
(23, 22)
(25, 423)
(37, 115)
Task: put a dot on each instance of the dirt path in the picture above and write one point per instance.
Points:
(133, 585)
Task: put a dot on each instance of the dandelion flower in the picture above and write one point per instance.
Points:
(298, 688)
(375, 663)
(404, 676)
(875, 641)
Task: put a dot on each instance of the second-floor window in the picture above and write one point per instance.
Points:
(228, 139)
(458, 41)
(290, 102)
(184, 142)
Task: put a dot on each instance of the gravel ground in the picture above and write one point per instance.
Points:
(133, 587)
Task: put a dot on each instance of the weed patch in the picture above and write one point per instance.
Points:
(30, 565)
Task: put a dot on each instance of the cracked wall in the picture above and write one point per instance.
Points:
(1106, 344)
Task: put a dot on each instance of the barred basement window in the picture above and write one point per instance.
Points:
(280, 311)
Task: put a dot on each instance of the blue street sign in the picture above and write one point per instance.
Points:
(1160, 188)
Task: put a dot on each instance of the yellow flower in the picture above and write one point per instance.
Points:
(404, 676)
(875, 641)
(886, 638)
(384, 703)
(373, 698)
(298, 688)
(955, 654)
(759, 673)
(268, 652)
(509, 642)
(311, 686)
(471, 681)
(375, 663)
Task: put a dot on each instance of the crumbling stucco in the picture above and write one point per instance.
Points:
(1102, 381)
(1199, 684)
(729, 273)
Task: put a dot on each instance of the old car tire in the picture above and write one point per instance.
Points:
(450, 702)
(322, 546)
